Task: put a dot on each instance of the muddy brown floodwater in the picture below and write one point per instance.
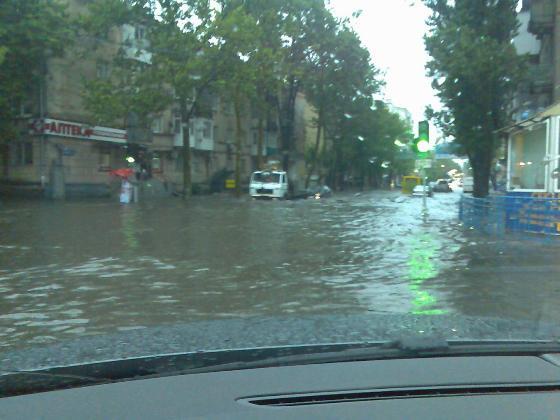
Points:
(76, 268)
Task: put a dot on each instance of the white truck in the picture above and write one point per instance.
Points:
(468, 184)
(269, 184)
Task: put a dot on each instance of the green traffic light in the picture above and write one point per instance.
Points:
(423, 146)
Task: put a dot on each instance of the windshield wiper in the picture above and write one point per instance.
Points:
(32, 381)
(26, 381)
(411, 347)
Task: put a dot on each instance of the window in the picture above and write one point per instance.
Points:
(177, 125)
(139, 32)
(22, 153)
(157, 125)
(104, 159)
(195, 165)
(103, 70)
(179, 161)
(207, 130)
(528, 149)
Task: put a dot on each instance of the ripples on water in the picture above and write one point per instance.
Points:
(89, 267)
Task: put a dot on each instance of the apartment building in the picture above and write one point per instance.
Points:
(61, 151)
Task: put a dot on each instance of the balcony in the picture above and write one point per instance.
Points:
(542, 16)
(201, 134)
(135, 43)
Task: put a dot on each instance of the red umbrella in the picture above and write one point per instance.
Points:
(122, 173)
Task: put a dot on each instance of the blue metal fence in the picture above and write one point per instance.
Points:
(527, 213)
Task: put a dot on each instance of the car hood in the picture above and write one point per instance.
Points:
(253, 333)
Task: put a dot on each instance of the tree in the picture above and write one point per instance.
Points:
(236, 34)
(296, 17)
(343, 93)
(30, 33)
(475, 70)
(322, 70)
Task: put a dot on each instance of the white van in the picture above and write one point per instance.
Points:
(269, 184)
(468, 184)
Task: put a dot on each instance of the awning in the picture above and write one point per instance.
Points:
(551, 111)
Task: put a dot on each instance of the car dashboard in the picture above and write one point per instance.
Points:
(479, 387)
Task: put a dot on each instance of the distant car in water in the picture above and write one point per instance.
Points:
(442, 185)
(418, 191)
(320, 191)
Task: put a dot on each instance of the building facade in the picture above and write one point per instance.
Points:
(61, 151)
(539, 38)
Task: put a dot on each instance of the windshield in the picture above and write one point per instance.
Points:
(266, 177)
(139, 139)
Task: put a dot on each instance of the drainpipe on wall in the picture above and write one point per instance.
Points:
(42, 115)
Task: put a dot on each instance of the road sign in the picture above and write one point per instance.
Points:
(423, 164)
(230, 184)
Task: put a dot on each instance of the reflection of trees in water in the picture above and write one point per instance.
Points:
(421, 268)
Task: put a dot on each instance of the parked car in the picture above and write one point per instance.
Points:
(468, 184)
(418, 191)
(442, 186)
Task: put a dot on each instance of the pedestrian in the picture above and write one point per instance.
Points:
(495, 173)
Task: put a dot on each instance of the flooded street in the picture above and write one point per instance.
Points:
(73, 268)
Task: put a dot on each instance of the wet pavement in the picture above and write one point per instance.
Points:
(70, 269)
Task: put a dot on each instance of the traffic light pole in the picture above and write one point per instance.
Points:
(424, 200)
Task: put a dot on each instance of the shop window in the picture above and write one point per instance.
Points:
(22, 153)
(528, 150)
(156, 163)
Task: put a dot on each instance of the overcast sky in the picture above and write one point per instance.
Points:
(392, 30)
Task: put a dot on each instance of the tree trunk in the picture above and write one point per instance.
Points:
(187, 179)
(286, 105)
(480, 163)
(316, 149)
(238, 144)
(260, 141)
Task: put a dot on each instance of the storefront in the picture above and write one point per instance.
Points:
(531, 204)
(534, 154)
(83, 154)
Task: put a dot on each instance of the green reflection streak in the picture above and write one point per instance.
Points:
(421, 267)
(129, 228)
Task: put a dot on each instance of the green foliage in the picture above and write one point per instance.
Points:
(440, 169)
(475, 70)
(30, 33)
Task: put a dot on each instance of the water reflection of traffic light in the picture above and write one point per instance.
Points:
(421, 268)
